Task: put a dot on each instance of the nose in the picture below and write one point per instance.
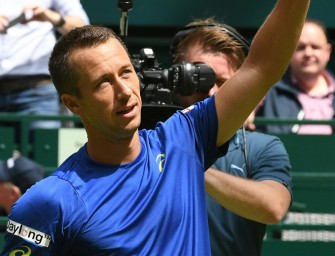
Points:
(308, 50)
(123, 89)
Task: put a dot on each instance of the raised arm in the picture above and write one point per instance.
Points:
(268, 58)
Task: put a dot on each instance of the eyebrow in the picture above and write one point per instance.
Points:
(104, 75)
(130, 65)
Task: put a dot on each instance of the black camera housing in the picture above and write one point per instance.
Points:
(158, 85)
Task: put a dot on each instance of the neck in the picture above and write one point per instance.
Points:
(313, 86)
(118, 151)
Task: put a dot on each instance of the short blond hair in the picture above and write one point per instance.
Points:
(212, 38)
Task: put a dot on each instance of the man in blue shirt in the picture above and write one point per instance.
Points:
(131, 192)
(253, 187)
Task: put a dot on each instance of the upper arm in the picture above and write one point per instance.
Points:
(236, 99)
(267, 60)
(50, 216)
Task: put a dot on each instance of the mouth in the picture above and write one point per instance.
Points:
(128, 112)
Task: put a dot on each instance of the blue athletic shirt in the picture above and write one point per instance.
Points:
(154, 205)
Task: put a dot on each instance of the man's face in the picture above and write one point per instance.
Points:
(219, 62)
(110, 101)
(312, 53)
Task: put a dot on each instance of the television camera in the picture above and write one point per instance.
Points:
(158, 85)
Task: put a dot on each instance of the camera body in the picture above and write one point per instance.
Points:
(158, 85)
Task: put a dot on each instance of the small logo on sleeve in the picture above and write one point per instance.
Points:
(160, 159)
(22, 251)
(188, 109)
(29, 234)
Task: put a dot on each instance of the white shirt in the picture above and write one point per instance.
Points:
(25, 48)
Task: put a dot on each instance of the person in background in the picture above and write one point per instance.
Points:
(26, 45)
(306, 90)
(139, 192)
(17, 174)
(251, 185)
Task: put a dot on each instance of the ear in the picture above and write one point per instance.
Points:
(330, 48)
(16, 192)
(71, 102)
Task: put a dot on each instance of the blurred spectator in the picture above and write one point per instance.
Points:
(306, 91)
(28, 32)
(17, 174)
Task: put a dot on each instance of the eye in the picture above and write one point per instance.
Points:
(127, 72)
(300, 47)
(316, 47)
(104, 80)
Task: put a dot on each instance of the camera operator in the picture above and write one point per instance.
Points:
(250, 186)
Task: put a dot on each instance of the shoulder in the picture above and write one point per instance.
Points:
(268, 157)
(259, 137)
(49, 209)
(264, 142)
(201, 115)
(258, 144)
(46, 200)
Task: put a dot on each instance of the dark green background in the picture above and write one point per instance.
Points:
(241, 13)
(152, 23)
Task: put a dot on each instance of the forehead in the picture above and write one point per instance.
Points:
(110, 47)
(313, 32)
(93, 63)
(219, 61)
(111, 52)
